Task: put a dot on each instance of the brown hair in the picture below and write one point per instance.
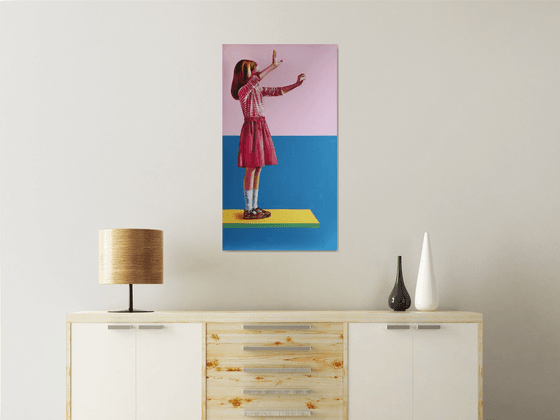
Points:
(241, 76)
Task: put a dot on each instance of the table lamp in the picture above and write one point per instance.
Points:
(130, 256)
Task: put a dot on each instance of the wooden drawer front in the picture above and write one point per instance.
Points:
(312, 380)
(325, 329)
(231, 403)
(322, 338)
(321, 352)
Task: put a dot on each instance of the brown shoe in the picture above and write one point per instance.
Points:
(252, 215)
(259, 210)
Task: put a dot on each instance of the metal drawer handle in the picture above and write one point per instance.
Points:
(277, 327)
(276, 391)
(398, 327)
(150, 327)
(299, 348)
(277, 370)
(277, 413)
(429, 327)
(119, 327)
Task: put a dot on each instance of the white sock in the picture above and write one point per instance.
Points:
(248, 199)
(255, 198)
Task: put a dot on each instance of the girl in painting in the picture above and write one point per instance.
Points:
(255, 144)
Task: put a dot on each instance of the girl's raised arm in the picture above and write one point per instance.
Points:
(271, 67)
(300, 80)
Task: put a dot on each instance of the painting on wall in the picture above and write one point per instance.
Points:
(279, 143)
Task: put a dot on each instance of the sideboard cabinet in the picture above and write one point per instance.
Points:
(347, 365)
(131, 371)
(413, 371)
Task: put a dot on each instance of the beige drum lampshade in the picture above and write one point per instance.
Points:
(130, 256)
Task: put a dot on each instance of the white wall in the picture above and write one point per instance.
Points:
(448, 122)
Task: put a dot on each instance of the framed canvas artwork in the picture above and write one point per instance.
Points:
(279, 184)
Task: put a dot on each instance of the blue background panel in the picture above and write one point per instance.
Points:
(305, 178)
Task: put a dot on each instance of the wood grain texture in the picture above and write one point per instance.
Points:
(285, 343)
(277, 348)
(345, 367)
(276, 316)
(279, 380)
(226, 393)
(225, 371)
(235, 330)
(260, 326)
(203, 361)
(480, 372)
(277, 413)
(68, 371)
(227, 360)
(230, 402)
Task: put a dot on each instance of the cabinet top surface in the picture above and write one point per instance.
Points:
(276, 316)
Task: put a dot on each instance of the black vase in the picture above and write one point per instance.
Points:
(399, 299)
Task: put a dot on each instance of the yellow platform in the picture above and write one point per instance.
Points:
(278, 219)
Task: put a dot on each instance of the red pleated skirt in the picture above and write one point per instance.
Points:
(255, 144)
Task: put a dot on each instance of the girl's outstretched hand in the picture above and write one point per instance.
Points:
(300, 80)
(274, 62)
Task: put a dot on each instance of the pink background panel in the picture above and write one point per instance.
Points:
(308, 110)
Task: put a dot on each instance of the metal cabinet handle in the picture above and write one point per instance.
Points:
(277, 327)
(276, 413)
(276, 391)
(299, 348)
(398, 327)
(429, 327)
(277, 370)
(150, 327)
(119, 327)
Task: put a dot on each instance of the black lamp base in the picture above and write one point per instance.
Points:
(129, 311)
(130, 308)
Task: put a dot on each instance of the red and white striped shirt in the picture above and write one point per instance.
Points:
(251, 97)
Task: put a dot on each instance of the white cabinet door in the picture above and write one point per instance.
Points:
(169, 371)
(445, 372)
(379, 372)
(103, 361)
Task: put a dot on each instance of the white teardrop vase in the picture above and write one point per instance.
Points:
(426, 297)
